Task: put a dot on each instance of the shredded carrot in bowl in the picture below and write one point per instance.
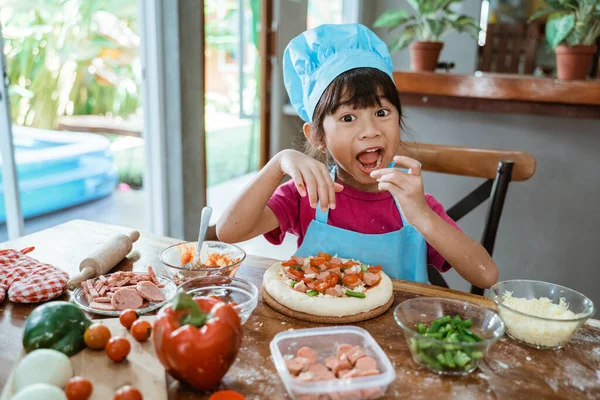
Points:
(215, 260)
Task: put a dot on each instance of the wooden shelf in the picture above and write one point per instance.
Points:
(515, 94)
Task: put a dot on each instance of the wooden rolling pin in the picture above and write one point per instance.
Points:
(104, 258)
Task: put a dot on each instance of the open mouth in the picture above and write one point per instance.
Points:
(370, 159)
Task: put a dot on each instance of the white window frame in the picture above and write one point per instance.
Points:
(12, 202)
(351, 11)
(154, 131)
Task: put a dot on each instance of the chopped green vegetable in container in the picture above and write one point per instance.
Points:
(453, 354)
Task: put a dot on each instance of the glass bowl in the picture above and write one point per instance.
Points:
(539, 332)
(171, 259)
(425, 351)
(228, 289)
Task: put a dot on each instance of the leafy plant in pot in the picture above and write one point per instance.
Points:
(423, 30)
(572, 28)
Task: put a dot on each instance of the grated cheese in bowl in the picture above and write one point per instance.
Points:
(533, 318)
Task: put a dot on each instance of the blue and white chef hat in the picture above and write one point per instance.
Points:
(312, 61)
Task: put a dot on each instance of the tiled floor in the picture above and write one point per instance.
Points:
(121, 208)
(128, 208)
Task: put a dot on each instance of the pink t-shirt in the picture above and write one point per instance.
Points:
(358, 211)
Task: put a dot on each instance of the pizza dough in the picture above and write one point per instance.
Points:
(324, 305)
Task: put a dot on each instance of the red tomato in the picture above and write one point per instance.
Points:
(96, 336)
(290, 263)
(315, 262)
(117, 349)
(374, 269)
(78, 388)
(141, 330)
(307, 280)
(325, 256)
(128, 393)
(227, 395)
(128, 317)
(315, 270)
(333, 280)
(351, 279)
(296, 273)
(321, 286)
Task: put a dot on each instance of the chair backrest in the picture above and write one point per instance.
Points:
(510, 48)
(497, 167)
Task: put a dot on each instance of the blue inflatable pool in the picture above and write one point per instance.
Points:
(60, 169)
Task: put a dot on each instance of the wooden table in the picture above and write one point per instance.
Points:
(510, 371)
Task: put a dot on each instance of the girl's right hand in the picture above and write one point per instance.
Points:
(310, 176)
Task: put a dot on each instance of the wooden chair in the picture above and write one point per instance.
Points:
(498, 167)
(508, 46)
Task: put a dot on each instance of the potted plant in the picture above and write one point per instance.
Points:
(423, 30)
(572, 28)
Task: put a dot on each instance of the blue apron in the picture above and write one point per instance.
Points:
(402, 254)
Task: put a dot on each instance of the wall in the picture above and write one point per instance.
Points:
(549, 228)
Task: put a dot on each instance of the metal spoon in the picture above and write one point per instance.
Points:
(204, 221)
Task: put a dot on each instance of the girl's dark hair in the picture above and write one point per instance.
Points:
(359, 88)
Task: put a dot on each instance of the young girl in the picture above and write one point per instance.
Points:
(339, 79)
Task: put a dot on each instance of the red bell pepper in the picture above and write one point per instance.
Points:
(197, 339)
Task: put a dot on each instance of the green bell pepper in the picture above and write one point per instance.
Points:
(57, 325)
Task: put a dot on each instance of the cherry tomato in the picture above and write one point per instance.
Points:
(78, 388)
(325, 256)
(321, 285)
(227, 395)
(315, 270)
(315, 262)
(296, 273)
(141, 330)
(374, 269)
(290, 263)
(349, 263)
(118, 348)
(351, 279)
(307, 280)
(333, 280)
(96, 336)
(128, 393)
(128, 317)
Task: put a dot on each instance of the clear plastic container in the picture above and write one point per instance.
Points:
(325, 342)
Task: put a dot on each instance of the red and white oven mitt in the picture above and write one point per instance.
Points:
(27, 280)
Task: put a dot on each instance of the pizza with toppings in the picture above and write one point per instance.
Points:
(328, 286)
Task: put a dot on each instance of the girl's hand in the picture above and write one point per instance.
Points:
(406, 187)
(310, 176)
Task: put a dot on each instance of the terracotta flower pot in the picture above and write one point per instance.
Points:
(424, 55)
(573, 62)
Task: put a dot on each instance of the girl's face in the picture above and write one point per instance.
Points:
(361, 141)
